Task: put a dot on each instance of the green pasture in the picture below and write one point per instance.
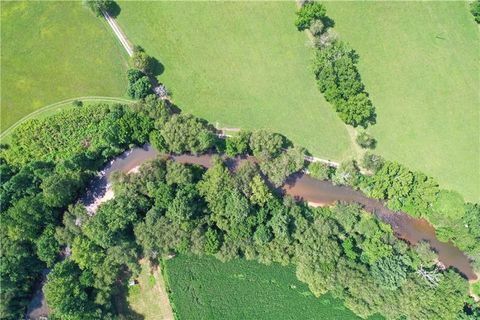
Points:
(206, 288)
(239, 64)
(419, 61)
(52, 51)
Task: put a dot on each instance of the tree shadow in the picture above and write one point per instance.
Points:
(156, 67)
(121, 305)
(328, 22)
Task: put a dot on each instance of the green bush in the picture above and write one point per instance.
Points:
(309, 12)
(475, 10)
(365, 140)
(319, 170)
(339, 80)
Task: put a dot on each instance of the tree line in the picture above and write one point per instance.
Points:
(173, 208)
(335, 67)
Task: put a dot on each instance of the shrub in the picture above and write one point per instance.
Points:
(77, 103)
(365, 140)
(308, 13)
(317, 27)
(319, 170)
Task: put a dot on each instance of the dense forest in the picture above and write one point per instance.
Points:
(169, 207)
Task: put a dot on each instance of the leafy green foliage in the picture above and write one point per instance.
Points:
(238, 144)
(65, 293)
(365, 140)
(266, 145)
(98, 131)
(319, 170)
(18, 270)
(390, 272)
(338, 79)
(139, 85)
(47, 246)
(308, 13)
(186, 133)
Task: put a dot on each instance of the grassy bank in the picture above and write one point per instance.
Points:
(240, 64)
(419, 61)
(56, 51)
(206, 288)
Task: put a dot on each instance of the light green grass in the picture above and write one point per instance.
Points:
(144, 297)
(419, 61)
(53, 51)
(241, 64)
(206, 288)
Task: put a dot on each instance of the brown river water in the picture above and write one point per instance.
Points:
(324, 193)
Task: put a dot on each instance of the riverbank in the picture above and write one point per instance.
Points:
(322, 193)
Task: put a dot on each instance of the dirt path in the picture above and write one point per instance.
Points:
(163, 301)
(119, 33)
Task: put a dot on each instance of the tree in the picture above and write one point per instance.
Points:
(65, 294)
(365, 140)
(346, 174)
(212, 241)
(372, 162)
(279, 168)
(309, 12)
(389, 272)
(266, 145)
(141, 60)
(140, 88)
(97, 6)
(357, 110)
(178, 174)
(238, 144)
(19, 268)
(260, 193)
(185, 133)
(47, 246)
(26, 219)
(60, 189)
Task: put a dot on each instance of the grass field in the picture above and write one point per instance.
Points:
(242, 64)
(145, 297)
(56, 50)
(206, 288)
(419, 61)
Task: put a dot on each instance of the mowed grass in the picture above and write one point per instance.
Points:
(206, 288)
(419, 61)
(147, 298)
(52, 51)
(241, 64)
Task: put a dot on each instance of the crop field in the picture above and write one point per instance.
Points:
(419, 61)
(241, 64)
(56, 51)
(206, 288)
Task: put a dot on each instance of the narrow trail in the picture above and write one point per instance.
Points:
(119, 33)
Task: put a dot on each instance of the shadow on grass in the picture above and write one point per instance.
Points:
(122, 307)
